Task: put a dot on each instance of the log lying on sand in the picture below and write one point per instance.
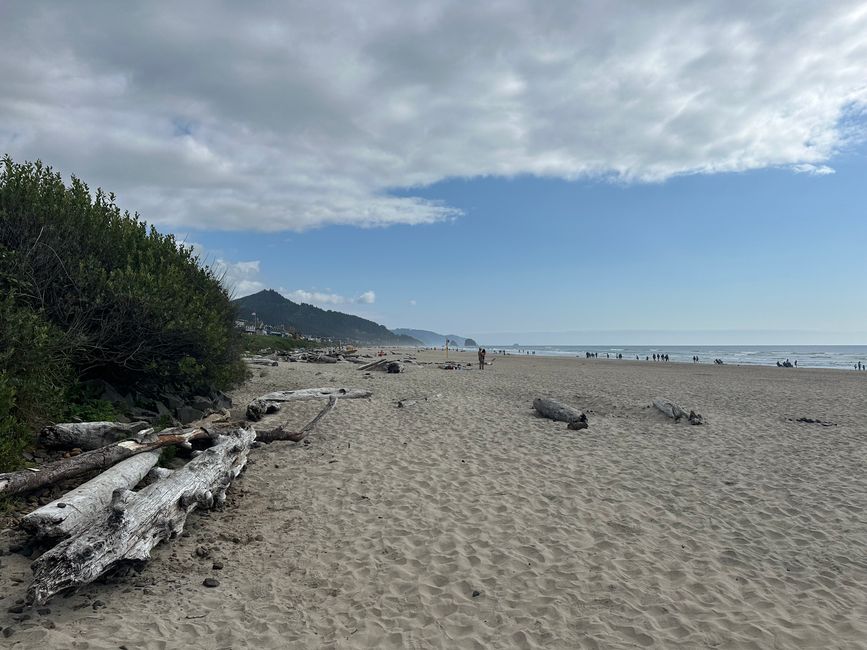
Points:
(260, 361)
(676, 413)
(270, 402)
(373, 365)
(33, 479)
(138, 521)
(88, 435)
(554, 410)
(322, 358)
(280, 433)
(315, 393)
(84, 505)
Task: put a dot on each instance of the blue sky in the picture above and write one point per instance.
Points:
(772, 250)
(553, 172)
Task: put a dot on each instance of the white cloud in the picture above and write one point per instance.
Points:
(239, 278)
(813, 170)
(209, 115)
(325, 298)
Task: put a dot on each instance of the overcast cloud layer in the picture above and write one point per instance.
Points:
(259, 116)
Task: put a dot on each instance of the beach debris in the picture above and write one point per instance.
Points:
(259, 408)
(822, 423)
(554, 410)
(82, 506)
(138, 521)
(676, 413)
(270, 402)
(87, 435)
(33, 478)
(118, 525)
(261, 361)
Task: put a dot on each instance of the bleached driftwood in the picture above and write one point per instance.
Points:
(35, 478)
(280, 433)
(373, 364)
(315, 393)
(138, 521)
(85, 504)
(676, 413)
(87, 435)
(260, 361)
(554, 410)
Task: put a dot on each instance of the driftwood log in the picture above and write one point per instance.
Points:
(373, 364)
(33, 479)
(87, 503)
(554, 410)
(273, 435)
(138, 521)
(676, 413)
(260, 361)
(88, 435)
(270, 402)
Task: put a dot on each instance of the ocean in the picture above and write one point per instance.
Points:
(807, 356)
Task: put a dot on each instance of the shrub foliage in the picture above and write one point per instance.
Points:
(93, 292)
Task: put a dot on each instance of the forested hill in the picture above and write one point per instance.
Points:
(273, 309)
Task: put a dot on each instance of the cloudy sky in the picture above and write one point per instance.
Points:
(476, 167)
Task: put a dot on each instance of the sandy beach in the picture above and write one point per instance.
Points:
(466, 521)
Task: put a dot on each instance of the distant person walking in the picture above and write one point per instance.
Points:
(482, 358)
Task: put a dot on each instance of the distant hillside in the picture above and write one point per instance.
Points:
(273, 309)
(433, 339)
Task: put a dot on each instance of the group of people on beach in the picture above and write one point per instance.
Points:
(860, 366)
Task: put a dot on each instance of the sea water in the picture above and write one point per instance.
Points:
(807, 356)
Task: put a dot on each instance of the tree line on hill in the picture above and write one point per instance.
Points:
(275, 310)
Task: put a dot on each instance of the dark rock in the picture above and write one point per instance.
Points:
(43, 611)
(8, 631)
(211, 582)
(162, 409)
(16, 609)
(187, 414)
(202, 403)
(476, 594)
(97, 604)
(221, 400)
(172, 400)
(48, 624)
(202, 551)
(144, 414)
(217, 566)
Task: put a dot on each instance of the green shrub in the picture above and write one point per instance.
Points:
(90, 292)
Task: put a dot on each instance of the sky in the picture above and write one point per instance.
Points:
(558, 172)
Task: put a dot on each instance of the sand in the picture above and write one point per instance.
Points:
(468, 522)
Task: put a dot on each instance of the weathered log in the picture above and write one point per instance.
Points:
(84, 505)
(676, 413)
(554, 410)
(259, 408)
(138, 521)
(373, 364)
(321, 358)
(280, 433)
(260, 361)
(35, 478)
(88, 435)
(315, 393)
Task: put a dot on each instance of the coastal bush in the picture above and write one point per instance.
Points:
(92, 292)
